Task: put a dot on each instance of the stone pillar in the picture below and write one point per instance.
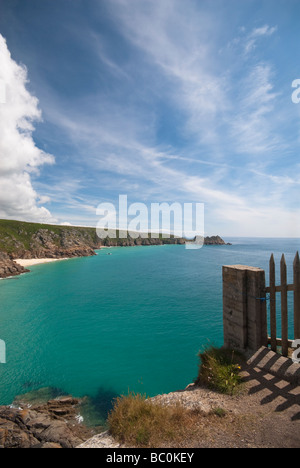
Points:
(244, 308)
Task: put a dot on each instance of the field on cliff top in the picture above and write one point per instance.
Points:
(18, 233)
(16, 237)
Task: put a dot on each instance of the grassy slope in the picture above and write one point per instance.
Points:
(22, 232)
(19, 232)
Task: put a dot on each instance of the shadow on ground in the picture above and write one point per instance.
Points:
(277, 379)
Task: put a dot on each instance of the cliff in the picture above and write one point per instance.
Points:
(30, 240)
(215, 240)
(9, 268)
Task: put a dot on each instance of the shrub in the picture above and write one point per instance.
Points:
(220, 370)
(136, 421)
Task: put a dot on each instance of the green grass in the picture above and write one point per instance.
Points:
(17, 235)
(220, 412)
(220, 370)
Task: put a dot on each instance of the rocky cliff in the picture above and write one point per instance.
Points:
(26, 240)
(29, 240)
(8, 267)
(130, 242)
(214, 240)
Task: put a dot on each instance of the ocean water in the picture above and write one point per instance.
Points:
(134, 320)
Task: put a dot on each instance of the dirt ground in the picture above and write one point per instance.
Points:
(265, 414)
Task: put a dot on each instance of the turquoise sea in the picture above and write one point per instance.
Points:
(130, 321)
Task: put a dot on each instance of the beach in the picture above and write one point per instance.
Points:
(36, 261)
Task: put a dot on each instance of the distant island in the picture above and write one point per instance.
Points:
(22, 240)
(213, 240)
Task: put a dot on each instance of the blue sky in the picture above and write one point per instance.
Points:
(165, 101)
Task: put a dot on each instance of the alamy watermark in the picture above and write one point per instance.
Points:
(296, 93)
(2, 352)
(139, 220)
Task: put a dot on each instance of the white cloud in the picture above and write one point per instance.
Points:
(254, 127)
(257, 33)
(19, 156)
(264, 31)
(176, 38)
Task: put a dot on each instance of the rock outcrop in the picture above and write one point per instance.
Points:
(200, 241)
(52, 425)
(215, 240)
(48, 243)
(9, 268)
(131, 242)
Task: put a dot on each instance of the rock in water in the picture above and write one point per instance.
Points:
(52, 425)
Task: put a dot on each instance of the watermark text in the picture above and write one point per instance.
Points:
(162, 220)
(296, 93)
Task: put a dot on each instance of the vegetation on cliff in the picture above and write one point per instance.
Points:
(136, 421)
(30, 240)
(22, 240)
(220, 370)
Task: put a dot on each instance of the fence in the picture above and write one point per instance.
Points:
(283, 289)
(245, 306)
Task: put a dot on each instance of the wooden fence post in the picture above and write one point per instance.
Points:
(297, 297)
(284, 307)
(273, 325)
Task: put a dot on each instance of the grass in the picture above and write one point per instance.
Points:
(15, 235)
(18, 235)
(136, 421)
(139, 422)
(220, 370)
(220, 412)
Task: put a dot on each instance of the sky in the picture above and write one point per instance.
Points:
(176, 101)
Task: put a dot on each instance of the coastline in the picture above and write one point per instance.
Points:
(37, 261)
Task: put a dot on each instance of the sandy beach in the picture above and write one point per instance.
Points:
(37, 261)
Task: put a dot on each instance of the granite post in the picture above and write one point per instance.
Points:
(244, 308)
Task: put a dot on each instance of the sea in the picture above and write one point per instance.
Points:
(130, 319)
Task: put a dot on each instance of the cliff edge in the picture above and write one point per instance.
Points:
(22, 240)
